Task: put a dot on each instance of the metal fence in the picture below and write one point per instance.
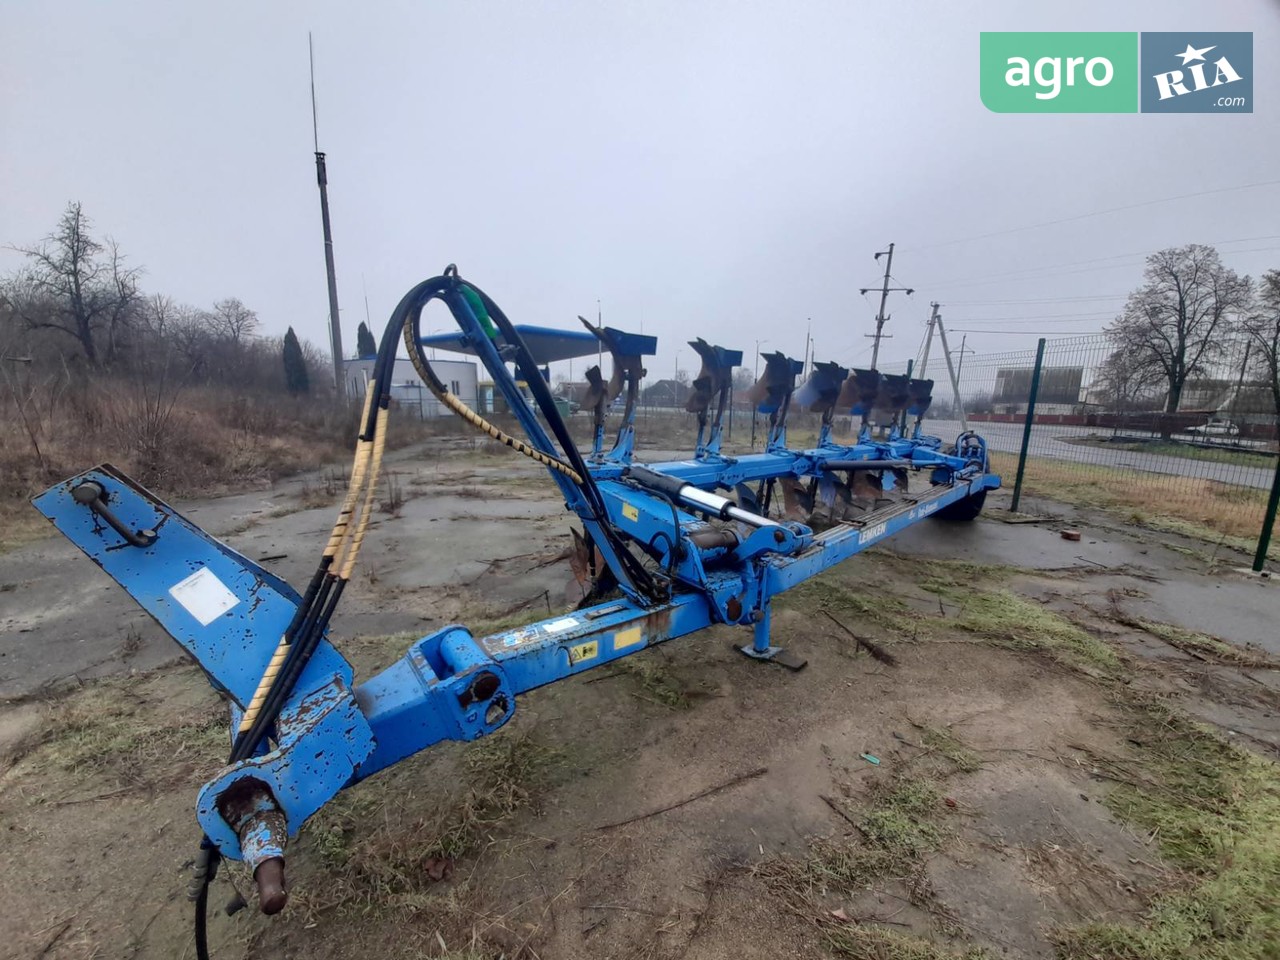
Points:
(1080, 419)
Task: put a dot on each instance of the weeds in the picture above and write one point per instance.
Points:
(1198, 644)
(1005, 619)
(395, 496)
(379, 851)
(876, 943)
(656, 681)
(881, 608)
(1214, 809)
(108, 730)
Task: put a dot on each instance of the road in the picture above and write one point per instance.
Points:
(1049, 440)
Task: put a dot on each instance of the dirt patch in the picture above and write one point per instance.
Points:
(1019, 781)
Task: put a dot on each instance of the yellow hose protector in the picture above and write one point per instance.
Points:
(358, 504)
(479, 422)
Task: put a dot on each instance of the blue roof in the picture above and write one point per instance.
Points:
(547, 344)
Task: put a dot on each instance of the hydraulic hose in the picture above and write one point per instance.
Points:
(337, 562)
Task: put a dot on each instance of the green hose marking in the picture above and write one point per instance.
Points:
(477, 307)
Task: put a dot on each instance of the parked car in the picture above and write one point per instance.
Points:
(1215, 427)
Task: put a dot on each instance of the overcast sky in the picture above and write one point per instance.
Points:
(722, 169)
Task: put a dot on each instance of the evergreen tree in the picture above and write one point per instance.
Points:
(366, 346)
(295, 365)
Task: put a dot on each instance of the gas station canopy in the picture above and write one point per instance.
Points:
(547, 344)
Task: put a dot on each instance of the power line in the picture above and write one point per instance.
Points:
(1078, 319)
(970, 303)
(1050, 274)
(1099, 213)
(1027, 333)
(1048, 270)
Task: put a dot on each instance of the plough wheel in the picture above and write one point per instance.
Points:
(963, 510)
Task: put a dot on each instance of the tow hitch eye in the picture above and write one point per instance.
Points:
(251, 811)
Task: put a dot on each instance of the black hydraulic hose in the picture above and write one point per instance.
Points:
(542, 394)
(309, 621)
(528, 367)
(313, 614)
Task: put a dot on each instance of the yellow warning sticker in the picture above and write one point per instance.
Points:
(627, 638)
(584, 651)
(630, 511)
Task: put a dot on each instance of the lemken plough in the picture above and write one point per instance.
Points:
(675, 547)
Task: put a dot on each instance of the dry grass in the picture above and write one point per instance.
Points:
(134, 736)
(1197, 644)
(385, 847)
(899, 826)
(1214, 808)
(1204, 509)
(180, 442)
(896, 830)
(863, 942)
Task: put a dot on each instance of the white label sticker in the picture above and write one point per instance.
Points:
(556, 626)
(204, 596)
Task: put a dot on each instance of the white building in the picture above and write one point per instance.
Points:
(407, 389)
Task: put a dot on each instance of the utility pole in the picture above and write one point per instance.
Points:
(322, 178)
(928, 340)
(885, 289)
(808, 329)
(962, 351)
(936, 320)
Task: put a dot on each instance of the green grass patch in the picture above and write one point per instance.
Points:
(655, 680)
(1207, 510)
(1184, 451)
(1004, 619)
(864, 942)
(1215, 811)
(897, 829)
(902, 820)
(944, 743)
(1201, 644)
(866, 604)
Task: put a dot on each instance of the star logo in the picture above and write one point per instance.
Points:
(1191, 53)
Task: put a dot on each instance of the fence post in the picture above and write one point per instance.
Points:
(1026, 427)
(1268, 522)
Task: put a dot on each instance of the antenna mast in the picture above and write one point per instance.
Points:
(322, 179)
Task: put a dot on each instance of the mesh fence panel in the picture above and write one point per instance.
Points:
(1104, 434)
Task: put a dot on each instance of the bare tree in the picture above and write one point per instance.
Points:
(1125, 380)
(69, 286)
(1263, 328)
(1174, 323)
(233, 320)
(159, 313)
